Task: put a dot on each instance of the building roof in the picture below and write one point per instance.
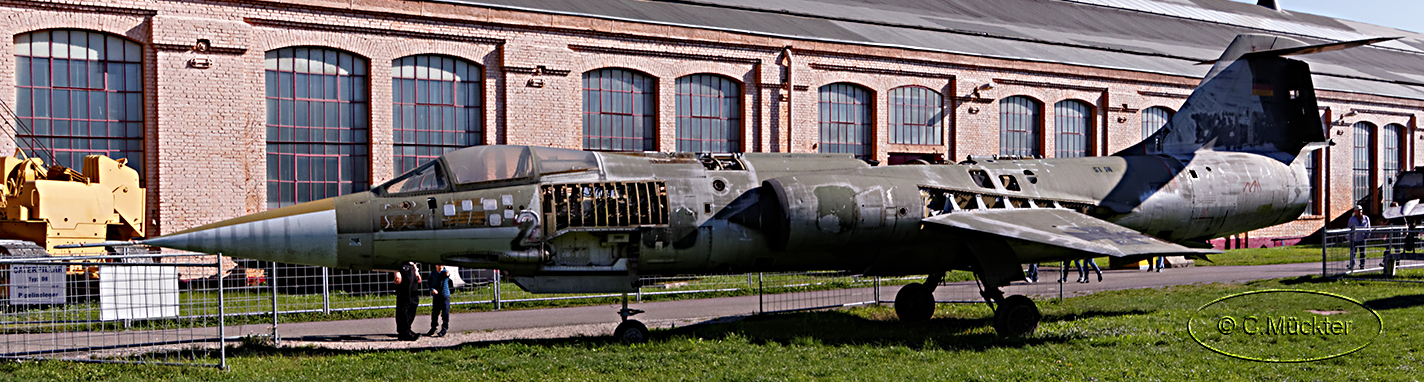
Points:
(1156, 36)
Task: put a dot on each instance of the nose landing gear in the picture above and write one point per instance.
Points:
(630, 331)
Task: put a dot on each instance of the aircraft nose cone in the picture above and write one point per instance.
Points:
(300, 234)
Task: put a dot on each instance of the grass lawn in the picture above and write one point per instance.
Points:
(1264, 256)
(1118, 335)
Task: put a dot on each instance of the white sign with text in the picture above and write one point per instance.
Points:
(32, 284)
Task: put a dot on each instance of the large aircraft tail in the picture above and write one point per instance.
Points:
(1252, 100)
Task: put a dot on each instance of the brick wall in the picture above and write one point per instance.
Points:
(206, 126)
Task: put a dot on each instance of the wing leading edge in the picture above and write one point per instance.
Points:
(1066, 229)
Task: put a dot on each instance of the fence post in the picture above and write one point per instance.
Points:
(1324, 250)
(325, 290)
(273, 285)
(496, 290)
(761, 303)
(877, 290)
(222, 318)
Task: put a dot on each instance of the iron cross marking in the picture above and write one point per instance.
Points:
(1101, 233)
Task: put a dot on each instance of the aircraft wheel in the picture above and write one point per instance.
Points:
(631, 332)
(1016, 316)
(915, 303)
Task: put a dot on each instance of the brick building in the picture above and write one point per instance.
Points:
(230, 107)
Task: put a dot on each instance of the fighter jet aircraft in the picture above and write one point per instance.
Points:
(561, 221)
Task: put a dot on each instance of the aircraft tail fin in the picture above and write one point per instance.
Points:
(1252, 100)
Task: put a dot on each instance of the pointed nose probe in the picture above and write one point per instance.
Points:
(300, 234)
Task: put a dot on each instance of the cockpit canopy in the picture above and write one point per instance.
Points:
(486, 164)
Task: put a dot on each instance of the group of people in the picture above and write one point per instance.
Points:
(408, 284)
(1154, 264)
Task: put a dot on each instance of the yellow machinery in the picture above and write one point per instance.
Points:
(42, 207)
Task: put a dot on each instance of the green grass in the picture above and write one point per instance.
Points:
(1118, 335)
(1266, 256)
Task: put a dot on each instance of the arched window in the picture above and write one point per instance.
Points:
(1074, 122)
(436, 108)
(618, 110)
(79, 93)
(317, 125)
(845, 120)
(1393, 158)
(1020, 121)
(709, 114)
(916, 116)
(1363, 161)
(1153, 118)
(1312, 172)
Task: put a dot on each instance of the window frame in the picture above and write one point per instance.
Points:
(344, 139)
(829, 116)
(407, 131)
(1032, 135)
(120, 64)
(1151, 112)
(644, 99)
(1089, 114)
(732, 120)
(933, 109)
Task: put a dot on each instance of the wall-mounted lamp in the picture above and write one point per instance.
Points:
(200, 63)
(1341, 121)
(535, 83)
(984, 87)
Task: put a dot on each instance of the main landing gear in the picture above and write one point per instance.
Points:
(915, 302)
(630, 331)
(1014, 316)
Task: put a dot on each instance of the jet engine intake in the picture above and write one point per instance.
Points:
(799, 212)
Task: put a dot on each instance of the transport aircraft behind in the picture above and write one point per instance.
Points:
(564, 221)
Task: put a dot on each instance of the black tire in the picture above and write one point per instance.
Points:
(1016, 316)
(915, 303)
(631, 332)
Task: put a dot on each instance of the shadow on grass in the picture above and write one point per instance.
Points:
(1396, 302)
(840, 328)
(1310, 279)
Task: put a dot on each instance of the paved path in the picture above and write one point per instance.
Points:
(600, 320)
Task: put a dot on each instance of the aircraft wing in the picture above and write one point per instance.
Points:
(1064, 228)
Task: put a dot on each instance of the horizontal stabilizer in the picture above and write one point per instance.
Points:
(1064, 228)
(1410, 208)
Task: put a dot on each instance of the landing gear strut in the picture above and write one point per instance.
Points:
(915, 302)
(1014, 316)
(630, 331)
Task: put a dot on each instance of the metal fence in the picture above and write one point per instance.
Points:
(123, 308)
(139, 306)
(1387, 253)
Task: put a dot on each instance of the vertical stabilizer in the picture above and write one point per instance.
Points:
(1252, 100)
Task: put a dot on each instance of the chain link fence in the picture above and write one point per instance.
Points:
(1386, 253)
(122, 308)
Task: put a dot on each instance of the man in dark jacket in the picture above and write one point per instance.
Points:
(407, 299)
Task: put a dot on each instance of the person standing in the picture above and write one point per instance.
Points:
(439, 300)
(407, 299)
(1358, 221)
(1083, 269)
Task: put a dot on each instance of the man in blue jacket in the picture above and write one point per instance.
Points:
(440, 300)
